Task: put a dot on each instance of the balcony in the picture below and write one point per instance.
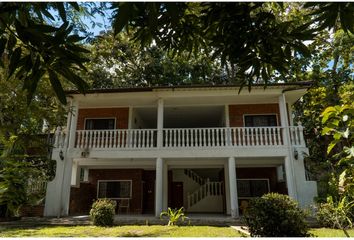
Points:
(175, 138)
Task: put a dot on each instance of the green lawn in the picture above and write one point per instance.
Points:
(326, 232)
(123, 231)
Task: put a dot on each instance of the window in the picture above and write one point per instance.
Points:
(114, 189)
(99, 124)
(260, 120)
(248, 188)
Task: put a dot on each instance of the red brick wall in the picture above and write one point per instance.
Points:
(32, 211)
(82, 198)
(264, 172)
(236, 112)
(122, 174)
(121, 115)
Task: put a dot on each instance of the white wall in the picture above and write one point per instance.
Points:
(306, 190)
(136, 121)
(211, 204)
(189, 185)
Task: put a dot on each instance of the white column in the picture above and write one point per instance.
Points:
(68, 162)
(159, 187)
(227, 116)
(165, 186)
(130, 118)
(160, 107)
(86, 174)
(291, 120)
(75, 175)
(73, 123)
(58, 190)
(289, 165)
(233, 187)
(284, 119)
(290, 181)
(227, 188)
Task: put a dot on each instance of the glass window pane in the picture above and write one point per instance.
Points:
(114, 189)
(99, 124)
(260, 120)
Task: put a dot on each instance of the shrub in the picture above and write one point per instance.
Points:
(102, 212)
(275, 215)
(335, 215)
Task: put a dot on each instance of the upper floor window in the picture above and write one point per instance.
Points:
(99, 123)
(261, 120)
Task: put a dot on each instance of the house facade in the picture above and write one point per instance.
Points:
(209, 149)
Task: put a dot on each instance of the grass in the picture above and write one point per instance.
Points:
(327, 232)
(121, 231)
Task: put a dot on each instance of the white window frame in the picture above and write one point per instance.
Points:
(131, 188)
(267, 179)
(261, 114)
(89, 118)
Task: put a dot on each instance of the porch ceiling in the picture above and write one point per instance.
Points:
(185, 116)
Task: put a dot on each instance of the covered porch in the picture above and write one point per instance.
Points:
(203, 186)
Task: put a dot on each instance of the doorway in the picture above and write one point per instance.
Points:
(177, 195)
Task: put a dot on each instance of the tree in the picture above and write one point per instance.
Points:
(31, 47)
(250, 35)
(256, 39)
(24, 149)
(118, 62)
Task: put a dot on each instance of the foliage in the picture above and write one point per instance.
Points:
(102, 212)
(32, 48)
(335, 214)
(275, 215)
(174, 215)
(257, 41)
(339, 124)
(13, 187)
(118, 62)
(250, 35)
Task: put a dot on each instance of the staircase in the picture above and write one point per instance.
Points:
(208, 197)
(195, 177)
(207, 189)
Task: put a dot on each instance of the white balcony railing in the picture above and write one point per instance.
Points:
(183, 138)
(122, 138)
(223, 137)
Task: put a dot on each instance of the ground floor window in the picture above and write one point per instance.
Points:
(115, 189)
(249, 188)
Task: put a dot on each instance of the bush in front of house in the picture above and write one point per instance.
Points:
(102, 212)
(275, 215)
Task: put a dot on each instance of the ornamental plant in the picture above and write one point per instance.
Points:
(173, 215)
(102, 212)
(275, 215)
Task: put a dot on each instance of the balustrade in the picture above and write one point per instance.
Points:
(183, 137)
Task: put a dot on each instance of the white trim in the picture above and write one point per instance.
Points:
(115, 122)
(131, 187)
(261, 114)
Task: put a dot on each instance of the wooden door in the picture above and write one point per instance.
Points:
(149, 192)
(177, 195)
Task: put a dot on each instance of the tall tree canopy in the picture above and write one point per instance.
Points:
(256, 38)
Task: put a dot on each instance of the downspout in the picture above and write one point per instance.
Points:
(68, 127)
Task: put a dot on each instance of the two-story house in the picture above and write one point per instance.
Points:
(207, 148)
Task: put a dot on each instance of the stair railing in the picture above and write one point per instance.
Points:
(207, 189)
